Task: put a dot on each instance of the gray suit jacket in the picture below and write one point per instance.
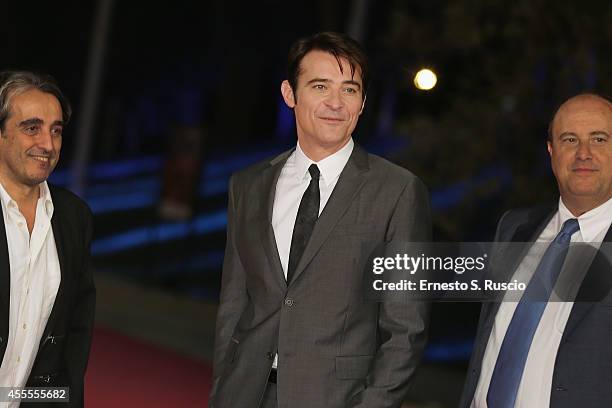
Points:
(334, 348)
(583, 367)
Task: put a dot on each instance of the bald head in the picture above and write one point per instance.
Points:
(579, 100)
(580, 147)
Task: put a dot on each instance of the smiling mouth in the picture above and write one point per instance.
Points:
(42, 159)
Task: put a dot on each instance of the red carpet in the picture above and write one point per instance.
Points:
(123, 372)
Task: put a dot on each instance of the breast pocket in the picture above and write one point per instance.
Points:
(55, 339)
(232, 349)
(356, 230)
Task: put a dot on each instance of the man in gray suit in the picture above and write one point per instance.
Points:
(556, 354)
(293, 328)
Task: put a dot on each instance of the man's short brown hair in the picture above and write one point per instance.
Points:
(337, 44)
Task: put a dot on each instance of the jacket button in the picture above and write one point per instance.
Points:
(289, 302)
(0, 340)
(270, 356)
(560, 389)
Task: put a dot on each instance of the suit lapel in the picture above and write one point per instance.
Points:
(60, 244)
(536, 221)
(528, 231)
(5, 280)
(350, 182)
(592, 283)
(268, 182)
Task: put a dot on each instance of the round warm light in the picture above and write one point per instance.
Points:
(425, 79)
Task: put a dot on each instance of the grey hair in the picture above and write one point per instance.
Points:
(14, 83)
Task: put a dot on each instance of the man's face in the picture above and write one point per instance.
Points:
(581, 152)
(32, 138)
(328, 103)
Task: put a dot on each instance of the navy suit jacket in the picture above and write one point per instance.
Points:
(582, 375)
(64, 347)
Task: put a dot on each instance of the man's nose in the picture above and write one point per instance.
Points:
(334, 100)
(583, 152)
(45, 140)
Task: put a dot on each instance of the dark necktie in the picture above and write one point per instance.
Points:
(307, 215)
(512, 357)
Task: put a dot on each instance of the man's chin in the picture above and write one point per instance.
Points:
(591, 197)
(35, 180)
(334, 140)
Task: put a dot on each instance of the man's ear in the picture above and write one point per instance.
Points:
(549, 146)
(287, 93)
(363, 103)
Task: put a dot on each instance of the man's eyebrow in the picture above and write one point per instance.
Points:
(31, 122)
(352, 82)
(593, 133)
(324, 80)
(314, 80)
(38, 122)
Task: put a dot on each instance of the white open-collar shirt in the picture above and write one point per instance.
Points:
(35, 278)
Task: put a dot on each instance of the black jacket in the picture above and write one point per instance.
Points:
(64, 347)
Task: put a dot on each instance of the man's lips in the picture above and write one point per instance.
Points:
(584, 170)
(331, 119)
(42, 159)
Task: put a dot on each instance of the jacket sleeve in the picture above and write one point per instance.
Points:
(81, 323)
(233, 293)
(402, 325)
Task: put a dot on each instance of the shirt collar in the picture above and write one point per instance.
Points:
(45, 196)
(592, 222)
(7, 201)
(330, 167)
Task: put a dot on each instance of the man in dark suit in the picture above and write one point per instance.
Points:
(293, 328)
(47, 294)
(556, 353)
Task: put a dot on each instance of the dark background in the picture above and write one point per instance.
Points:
(189, 93)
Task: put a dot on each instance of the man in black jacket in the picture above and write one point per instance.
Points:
(47, 294)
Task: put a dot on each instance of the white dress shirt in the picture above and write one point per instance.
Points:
(35, 277)
(536, 383)
(290, 187)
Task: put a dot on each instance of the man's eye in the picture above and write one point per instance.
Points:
(57, 131)
(350, 90)
(31, 129)
(320, 87)
(569, 140)
(599, 140)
